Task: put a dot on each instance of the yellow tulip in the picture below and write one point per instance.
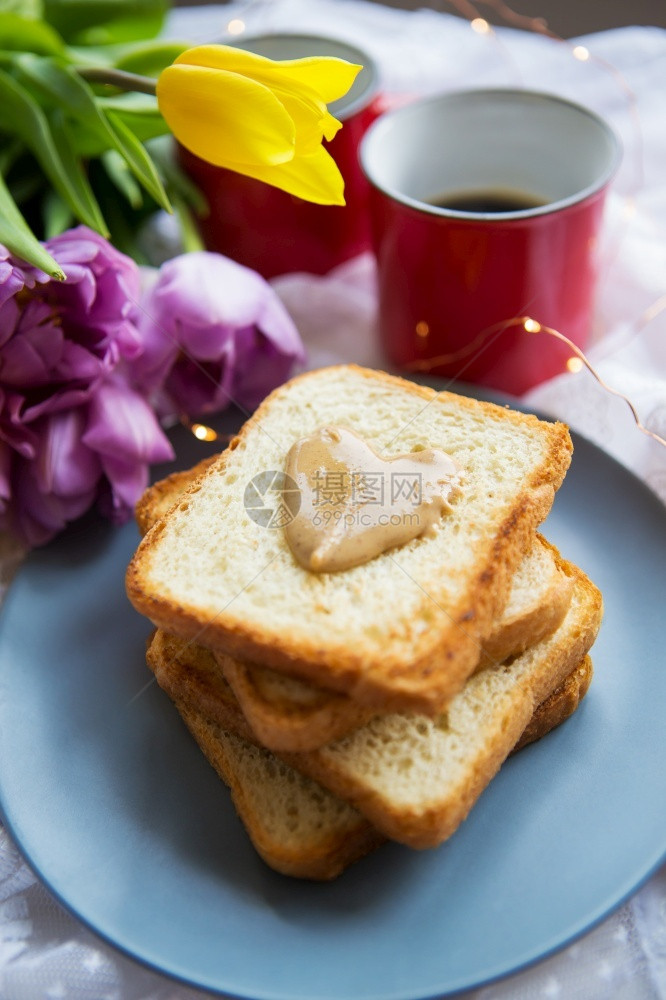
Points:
(259, 117)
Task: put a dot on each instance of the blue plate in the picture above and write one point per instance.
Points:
(118, 812)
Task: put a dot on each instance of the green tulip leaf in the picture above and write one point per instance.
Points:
(96, 55)
(118, 171)
(16, 235)
(177, 181)
(132, 103)
(63, 87)
(149, 59)
(77, 100)
(100, 22)
(56, 214)
(21, 34)
(138, 112)
(78, 181)
(139, 161)
(21, 116)
(30, 9)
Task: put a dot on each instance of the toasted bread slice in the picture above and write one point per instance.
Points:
(298, 827)
(401, 631)
(562, 703)
(416, 778)
(288, 714)
(292, 715)
(159, 498)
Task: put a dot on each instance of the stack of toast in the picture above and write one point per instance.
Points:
(375, 702)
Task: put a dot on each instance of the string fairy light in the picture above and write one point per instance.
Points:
(577, 361)
(539, 25)
(202, 432)
(480, 25)
(236, 26)
(533, 326)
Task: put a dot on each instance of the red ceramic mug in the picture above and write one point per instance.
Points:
(274, 232)
(486, 206)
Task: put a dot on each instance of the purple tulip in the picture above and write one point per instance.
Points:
(72, 430)
(214, 332)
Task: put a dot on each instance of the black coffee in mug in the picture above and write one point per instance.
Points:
(489, 201)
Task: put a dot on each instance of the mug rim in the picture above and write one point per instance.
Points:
(341, 108)
(558, 205)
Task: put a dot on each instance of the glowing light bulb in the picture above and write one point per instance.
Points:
(574, 364)
(580, 52)
(422, 328)
(531, 325)
(236, 26)
(203, 433)
(480, 25)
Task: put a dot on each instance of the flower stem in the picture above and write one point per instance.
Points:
(118, 78)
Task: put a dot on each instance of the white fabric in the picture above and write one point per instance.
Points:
(44, 952)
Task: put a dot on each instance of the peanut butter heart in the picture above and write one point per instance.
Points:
(355, 504)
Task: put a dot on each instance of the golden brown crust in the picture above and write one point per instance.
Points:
(334, 850)
(515, 636)
(189, 674)
(159, 498)
(444, 656)
(282, 725)
(439, 820)
(182, 671)
(562, 703)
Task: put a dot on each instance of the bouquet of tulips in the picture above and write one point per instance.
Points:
(90, 361)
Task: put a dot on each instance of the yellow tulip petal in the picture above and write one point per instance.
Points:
(330, 78)
(314, 178)
(225, 118)
(311, 119)
(331, 126)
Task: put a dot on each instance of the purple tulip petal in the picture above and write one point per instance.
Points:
(11, 282)
(200, 387)
(10, 317)
(64, 465)
(122, 425)
(57, 402)
(38, 516)
(13, 430)
(78, 246)
(214, 332)
(30, 358)
(5, 474)
(65, 398)
(127, 482)
(214, 290)
(251, 382)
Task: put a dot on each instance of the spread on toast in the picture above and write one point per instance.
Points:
(356, 504)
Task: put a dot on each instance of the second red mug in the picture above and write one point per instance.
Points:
(486, 206)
